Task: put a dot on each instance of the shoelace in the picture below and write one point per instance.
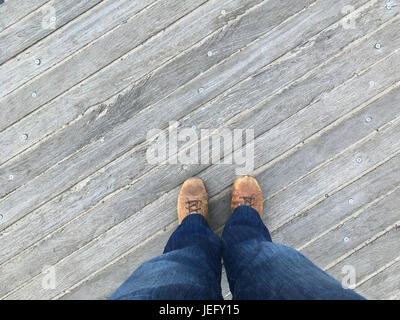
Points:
(193, 206)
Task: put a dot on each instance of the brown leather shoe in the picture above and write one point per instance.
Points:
(193, 198)
(247, 191)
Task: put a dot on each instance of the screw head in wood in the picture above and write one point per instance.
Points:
(351, 201)
(10, 177)
(24, 137)
(209, 53)
(201, 90)
(389, 6)
(378, 46)
(359, 160)
(223, 12)
(37, 61)
(346, 239)
(34, 94)
(368, 119)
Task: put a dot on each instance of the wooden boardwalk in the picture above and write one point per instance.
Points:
(83, 82)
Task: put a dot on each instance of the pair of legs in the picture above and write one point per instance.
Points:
(257, 268)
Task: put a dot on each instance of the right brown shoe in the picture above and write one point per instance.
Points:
(193, 198)
(247, 191)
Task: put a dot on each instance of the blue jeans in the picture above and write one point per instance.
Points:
(257, 268)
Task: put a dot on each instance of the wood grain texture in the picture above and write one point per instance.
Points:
(37, 26)
(104, 50)
(53, 49)
(384, 285)
(322, 97)
(13, 11)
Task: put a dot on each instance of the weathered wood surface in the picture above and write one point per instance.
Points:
(322, 99)
(13, 11)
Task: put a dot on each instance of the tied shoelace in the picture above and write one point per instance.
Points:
(248, 201)
(193, 206)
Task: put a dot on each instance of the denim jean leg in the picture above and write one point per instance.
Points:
(189, 268)
(257, 268)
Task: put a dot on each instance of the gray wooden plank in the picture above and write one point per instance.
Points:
(384, 285)
(30, 170)
(354, 232)
(334, 209)
(120, 237)
(27, 32)
(334, 141)
(371, 258)
(13, 11)
(140, 98)
(110, 80)
(51, 208)
(53, 49)
(101, 52)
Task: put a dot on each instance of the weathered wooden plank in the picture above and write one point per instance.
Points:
(373, 185)
(384, 285)
(354, 232)
(27, 32)
(328, 145)
(13, 11)
(101, 52)
(30, 170)
(120, 238)
(55, 207)
(311, 119)
(65, 41)
(140, 98)
(371, 258)
(110, 80)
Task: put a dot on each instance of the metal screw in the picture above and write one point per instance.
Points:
(368, 119)
(11, 177)
(346, 239)
(209, 53)
(194, 127)
(378, 46)
(223, 12)
(201, 90)
(351, 201)
(372, 84)
(37, 61)
(34, 94)
(359, 160)
(24, 137)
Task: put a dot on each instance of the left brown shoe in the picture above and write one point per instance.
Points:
(193, 198)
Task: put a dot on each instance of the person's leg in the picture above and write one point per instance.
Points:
(190, 267)
(257, 268)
